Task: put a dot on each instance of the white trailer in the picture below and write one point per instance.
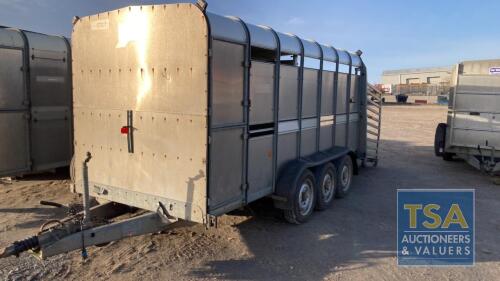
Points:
(472, 131)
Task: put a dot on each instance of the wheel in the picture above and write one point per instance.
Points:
(326, 179)
(344, 177)
(439, 139)
(304, 198)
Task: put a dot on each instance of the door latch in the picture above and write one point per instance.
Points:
(129, 131)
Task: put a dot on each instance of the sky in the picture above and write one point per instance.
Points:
(391, 34)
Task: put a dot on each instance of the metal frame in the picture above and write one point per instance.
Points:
(243, 125)
(300, 95)
(362, 107)
(335, 95)
(277, 68)
(209, 107)
(70, 79)
(318, 98)
(348, 101)
(27, 96)
(246, 108)
(70, 234)
(450, 130)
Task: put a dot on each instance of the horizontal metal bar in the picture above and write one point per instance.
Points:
(229, 126)
(261, 130)
(373, 110)
(477, 130)
(373, 118)
(11, 48)
(288, 126)
(373, 103)
(373, 125)
(478, 93)
(377, 106)
(327, 118)
(478, 111)
(377, 97)
(13, 110)
(309, 123)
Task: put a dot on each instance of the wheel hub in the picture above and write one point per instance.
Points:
(327, 188)
(306, 197)
(345, 177)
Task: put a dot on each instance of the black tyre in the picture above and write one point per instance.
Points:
(345, 171)
(439, 143)
(439, 139)
(304, 199)
(326, 183)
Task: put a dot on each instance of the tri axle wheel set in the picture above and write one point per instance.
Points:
(316, 188)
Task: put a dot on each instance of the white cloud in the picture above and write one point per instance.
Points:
(296, 21)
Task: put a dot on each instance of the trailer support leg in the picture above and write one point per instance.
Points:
(86, 196)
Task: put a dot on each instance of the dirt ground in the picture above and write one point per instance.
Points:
(354, 240)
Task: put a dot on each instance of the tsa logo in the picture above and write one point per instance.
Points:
(435, 227)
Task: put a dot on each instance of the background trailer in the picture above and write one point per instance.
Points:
(35, 102)
(472, 131)
(190, 115)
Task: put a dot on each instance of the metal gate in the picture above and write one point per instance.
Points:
(14, 115)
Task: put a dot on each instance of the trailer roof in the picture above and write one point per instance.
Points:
(233, 29)
(11, 38)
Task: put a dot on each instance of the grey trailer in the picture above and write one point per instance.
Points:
(190, 115)
(472, 131)
(35, 102)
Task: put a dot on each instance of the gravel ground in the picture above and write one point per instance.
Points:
(354, 240)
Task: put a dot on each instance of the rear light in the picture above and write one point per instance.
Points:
(124, 130)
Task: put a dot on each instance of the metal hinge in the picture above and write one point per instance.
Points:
(244, 187)
(245, 136)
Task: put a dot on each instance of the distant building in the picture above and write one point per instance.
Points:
(429, 75)
(419, 84)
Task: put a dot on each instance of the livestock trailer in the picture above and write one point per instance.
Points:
(35, 102)
(472, 131)
(189, 115)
